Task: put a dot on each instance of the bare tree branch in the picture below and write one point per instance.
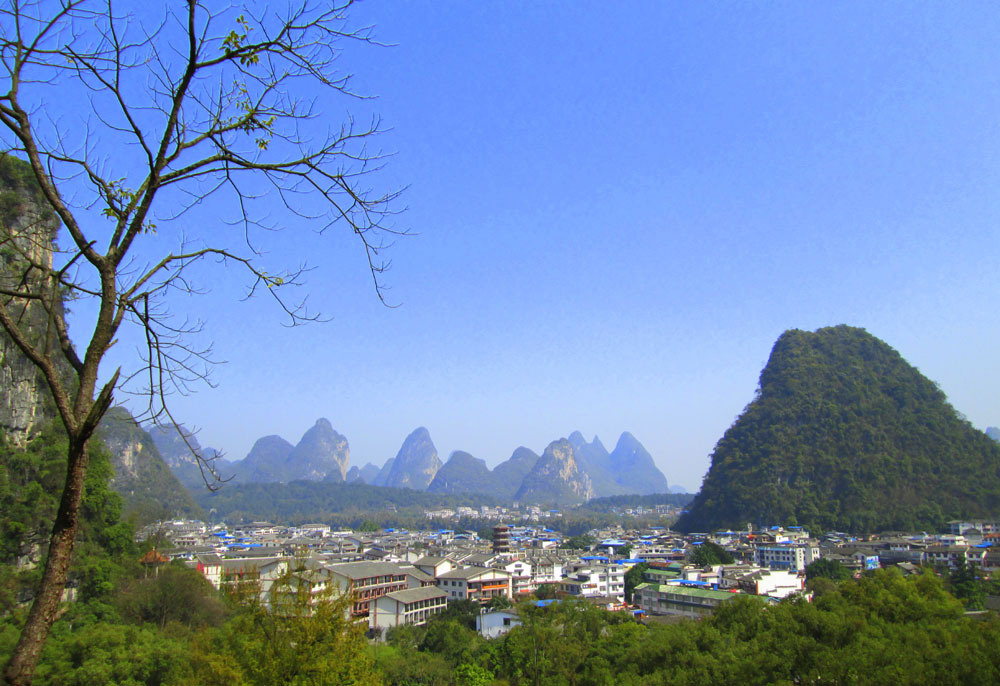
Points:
(196, 103)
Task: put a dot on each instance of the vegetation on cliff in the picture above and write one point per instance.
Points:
(844, 434)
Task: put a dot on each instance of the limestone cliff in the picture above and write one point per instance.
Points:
(27, 234)
(556, 478)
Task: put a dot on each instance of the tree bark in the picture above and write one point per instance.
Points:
(21, 667)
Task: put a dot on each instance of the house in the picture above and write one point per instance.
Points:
(434, 566)
(496, 623)
(950, 556)
(773, 583)
(416, 578)
(258, 570)
(521, 578)
(475, 583)
(595, 577)
(411, 606)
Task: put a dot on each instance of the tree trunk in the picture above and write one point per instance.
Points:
(20, 668)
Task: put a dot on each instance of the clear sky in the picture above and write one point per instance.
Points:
(618, 208)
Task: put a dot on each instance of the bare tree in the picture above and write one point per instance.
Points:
(128, 122)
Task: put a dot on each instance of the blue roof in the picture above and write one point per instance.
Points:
(635, 560)
(546, 603)
(594, 557)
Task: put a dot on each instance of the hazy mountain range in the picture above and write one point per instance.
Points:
(568, 471)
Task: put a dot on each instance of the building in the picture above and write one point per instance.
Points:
(366, 582)
(774, 583)
(595, 577)
(664, 599)
(475, 583)
(501, 539)
(496, 623)
(411, 606)
(793, 557)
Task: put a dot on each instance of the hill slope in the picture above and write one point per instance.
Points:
(145, 482)
(845, 434)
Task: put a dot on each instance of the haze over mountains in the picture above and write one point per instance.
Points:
(842, 433)
(569, 471)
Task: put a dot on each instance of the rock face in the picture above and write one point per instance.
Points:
(321, 455)
(844, 434)
(463, 473)
(383, 474)
(368, 473)
(556, 478)
(178, 456)
(594, 460)
(27, 234)
(509, 475)
(142, 478)
(416, 463)
(634, 469)
(264, 461)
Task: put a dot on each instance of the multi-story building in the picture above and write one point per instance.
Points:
(670, 599)
(475, 583)
(609, 578)
(366, 582)
(412, 606)
(795, 557)
(521, 579)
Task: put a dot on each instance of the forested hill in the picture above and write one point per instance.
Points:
(845, 434)
(300, 502)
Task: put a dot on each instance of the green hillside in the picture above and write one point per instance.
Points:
(845, 434)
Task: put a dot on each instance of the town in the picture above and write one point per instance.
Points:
(397, 577)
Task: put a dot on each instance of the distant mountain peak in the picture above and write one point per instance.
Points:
(556, 477)
(416, 463)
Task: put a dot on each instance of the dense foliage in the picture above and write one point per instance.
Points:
(881, 629)
(168, 626)
(301, 502)
(844, 434)
(708, 553)
(148, 488)
(30, 481)
(618, 502)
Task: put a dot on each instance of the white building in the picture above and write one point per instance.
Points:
(595, 578)
(496, 623)
(412, 606)
(475, 583)
(792, 557)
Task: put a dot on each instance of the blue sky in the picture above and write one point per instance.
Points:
(618, 208)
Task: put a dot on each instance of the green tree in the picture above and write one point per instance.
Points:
(174, 594)
(294, 636)
(709, 553)
(825, 568)
(633, 577)
(581, 542)
(499, 602)
(210, 101)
